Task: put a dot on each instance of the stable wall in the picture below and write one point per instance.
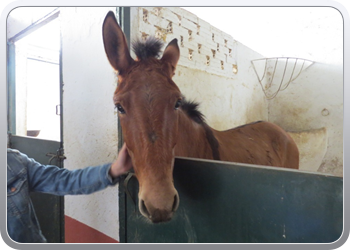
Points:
(229, 91)
(90, 125)
(313, 106)
(214, 69)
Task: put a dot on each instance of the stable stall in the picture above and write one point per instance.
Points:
(219, 201)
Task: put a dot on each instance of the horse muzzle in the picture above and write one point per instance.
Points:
(159, 210)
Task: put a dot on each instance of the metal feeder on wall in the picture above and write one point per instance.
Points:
(276, 73)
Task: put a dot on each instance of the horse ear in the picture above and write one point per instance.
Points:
(115, 44)
(171, 55)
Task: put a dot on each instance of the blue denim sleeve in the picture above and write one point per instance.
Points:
(59, 181)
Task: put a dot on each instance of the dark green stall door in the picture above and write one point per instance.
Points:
(48, 208)
(222, 202)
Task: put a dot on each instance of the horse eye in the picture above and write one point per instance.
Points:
(120, 108)
(178, 104)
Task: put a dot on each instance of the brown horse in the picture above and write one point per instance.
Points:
(158, 124)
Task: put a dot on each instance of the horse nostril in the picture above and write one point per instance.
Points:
(176, 202)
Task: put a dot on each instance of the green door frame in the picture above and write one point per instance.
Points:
(123, 16)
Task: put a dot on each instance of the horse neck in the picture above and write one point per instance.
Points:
(192, 140)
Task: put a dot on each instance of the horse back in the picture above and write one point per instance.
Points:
(261, 143)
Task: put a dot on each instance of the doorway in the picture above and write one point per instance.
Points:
(35, 102)
(37, 88)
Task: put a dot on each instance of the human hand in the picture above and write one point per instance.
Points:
(122, 164)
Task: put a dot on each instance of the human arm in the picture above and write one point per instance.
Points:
(58, 181)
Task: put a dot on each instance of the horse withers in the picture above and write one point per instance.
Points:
(159, 124)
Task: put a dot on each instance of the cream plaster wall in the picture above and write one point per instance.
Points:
(90, 123)
(230, 99)
(315, 101)
(226, 98)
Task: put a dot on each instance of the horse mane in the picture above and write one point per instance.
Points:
(150, 47)
(191, 109)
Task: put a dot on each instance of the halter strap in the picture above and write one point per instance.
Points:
(125, 184)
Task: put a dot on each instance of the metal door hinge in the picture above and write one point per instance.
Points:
(59, 155)
(58, 109)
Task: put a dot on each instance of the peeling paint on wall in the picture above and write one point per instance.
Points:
(312, 145)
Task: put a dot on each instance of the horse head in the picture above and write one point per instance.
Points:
(147, 101)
